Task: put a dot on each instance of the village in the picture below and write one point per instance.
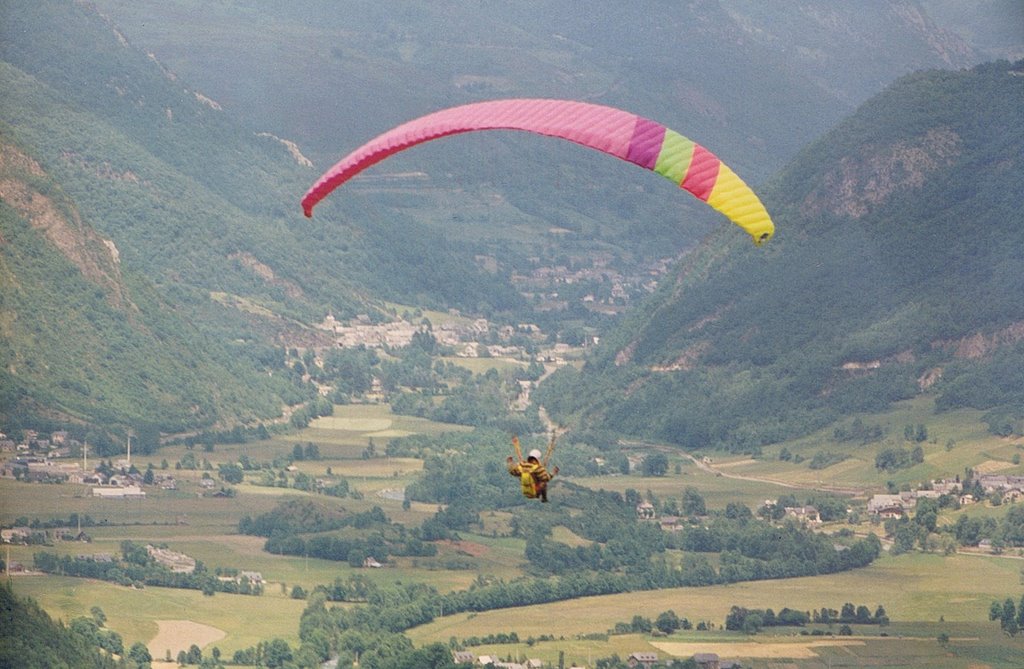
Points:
(637, 660)
(51, 459)
(466, 337)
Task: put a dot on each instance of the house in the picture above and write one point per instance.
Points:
(15, 535)
(463, 657)
(372, 563)
(254, 577)
(707, 660)
(68, 534)
(105, 558)
(179, 563)
(120, 480)
(645, 511)
(807, 514)
(644, 660)
(946, 486)
(128, 492)
(670, 523)
(879, 503)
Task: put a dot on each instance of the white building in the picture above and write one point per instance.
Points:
(127, 492)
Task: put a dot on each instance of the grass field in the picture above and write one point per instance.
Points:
(918, 591)
(134, 613)
(206, 528)
(924, 594)
(957, 440)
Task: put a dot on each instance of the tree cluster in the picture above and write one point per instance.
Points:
(1009, 615)
(29, 638)
(137, 568)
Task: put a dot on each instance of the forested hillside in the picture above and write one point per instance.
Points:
(82, 340)
(30, 639)
(753, 84)
(723, 71)
(154, 249)
(201, 267)
(896, 271)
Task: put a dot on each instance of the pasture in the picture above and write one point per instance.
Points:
(135, 614)
(924, 594)
(206, 528)
(956, 441)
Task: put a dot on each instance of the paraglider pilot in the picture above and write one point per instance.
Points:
(533, 475)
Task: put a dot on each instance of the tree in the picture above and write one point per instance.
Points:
(667, 622)
(904, 538)
(231, 473)
(848, 612)
(655, 464)
(139, 654)
(276, 652)
(917, 454)
(98, 615)
(927, 513)
(641, 624)
(693, 502)
(1008, 618)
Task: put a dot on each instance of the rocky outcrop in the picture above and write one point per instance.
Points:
(22, 186)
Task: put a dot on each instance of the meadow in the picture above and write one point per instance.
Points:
(134, 614)
(925, 595)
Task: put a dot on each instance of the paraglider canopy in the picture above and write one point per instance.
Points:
(619, 133)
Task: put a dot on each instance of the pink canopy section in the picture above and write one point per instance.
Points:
(601, 128)
(613, 131)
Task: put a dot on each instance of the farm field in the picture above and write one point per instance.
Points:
(244, 620)
(924, 594)
(956, 441)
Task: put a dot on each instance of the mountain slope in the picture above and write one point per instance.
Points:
(896, 269)
(214, 266)
(82, 341)
(158, 257)
(752, 84)
(709, 68)
(212, 203)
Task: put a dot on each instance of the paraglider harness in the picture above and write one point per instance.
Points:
(529, 472)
